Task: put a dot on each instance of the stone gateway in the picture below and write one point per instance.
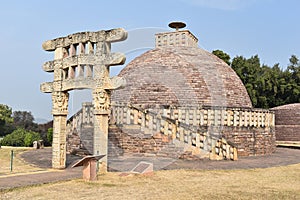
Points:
(81, 61)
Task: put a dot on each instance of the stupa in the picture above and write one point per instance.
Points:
(181, 101)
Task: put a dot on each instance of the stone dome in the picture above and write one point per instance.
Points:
(179, 73)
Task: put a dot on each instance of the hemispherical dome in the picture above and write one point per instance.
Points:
(181, 76)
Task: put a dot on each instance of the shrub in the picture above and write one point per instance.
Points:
(31, 136)
(20, 137)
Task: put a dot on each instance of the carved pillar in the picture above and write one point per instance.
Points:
(60, 112)
(101, 102)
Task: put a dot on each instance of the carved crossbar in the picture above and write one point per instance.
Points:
(82, 60)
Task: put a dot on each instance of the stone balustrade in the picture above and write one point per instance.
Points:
(224, 133)
(204, 128)
(196, 117)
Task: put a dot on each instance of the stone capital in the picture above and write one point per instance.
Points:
(101, 101)
(60, 103)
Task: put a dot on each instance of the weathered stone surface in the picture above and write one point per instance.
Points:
(80, 131)
(113, 35)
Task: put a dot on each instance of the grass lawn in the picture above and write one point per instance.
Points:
(271, 183)
(19, 166)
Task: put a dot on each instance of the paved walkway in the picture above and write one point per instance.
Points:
(281, 157)
(42, 158)
(37, 178)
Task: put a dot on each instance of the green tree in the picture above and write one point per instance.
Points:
(50, 135)
(294, 80)
(269, 86)
(43, 129)
(24, 119)
(5, 119)
(222, 55)
(249, 71)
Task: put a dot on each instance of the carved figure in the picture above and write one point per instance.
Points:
(101, 99)
(60, 101)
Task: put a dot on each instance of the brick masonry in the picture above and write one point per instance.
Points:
(287, 122)
(251, 141)
(181, 76)
(130, 140)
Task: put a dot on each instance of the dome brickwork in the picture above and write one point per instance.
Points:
(181, 76)
(287, 122)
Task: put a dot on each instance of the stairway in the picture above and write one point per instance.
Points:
(130, 139)
(162, 133)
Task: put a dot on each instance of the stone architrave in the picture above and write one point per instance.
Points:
(82, 61)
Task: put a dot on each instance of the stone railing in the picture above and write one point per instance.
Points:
(190, 125)
(81, 125)
(224, 132)
(198, 116)
(82, 117)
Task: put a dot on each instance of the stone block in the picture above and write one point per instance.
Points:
(89, 163)
(143, 168)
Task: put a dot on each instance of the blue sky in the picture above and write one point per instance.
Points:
(269, 28)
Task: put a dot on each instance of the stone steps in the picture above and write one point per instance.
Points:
(150, 145)
(114, 149)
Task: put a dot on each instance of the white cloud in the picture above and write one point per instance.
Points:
(222, 4)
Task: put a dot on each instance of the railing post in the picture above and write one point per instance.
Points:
(174, 130)
(11, 160)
